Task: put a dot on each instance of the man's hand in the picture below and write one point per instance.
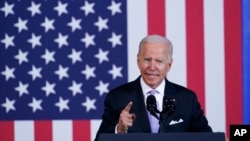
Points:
(126, 119)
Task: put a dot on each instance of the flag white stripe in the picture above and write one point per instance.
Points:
(62, 130)
(176, 32)
(137, 29)
(214, 64)
(24, 130)
(94, 124)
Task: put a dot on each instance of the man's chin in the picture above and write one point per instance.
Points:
(151, 83)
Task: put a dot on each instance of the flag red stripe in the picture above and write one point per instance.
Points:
(156, 17)
(233, 60)
(43, 130)
(81, 130)
(195, 48)
(6, 131)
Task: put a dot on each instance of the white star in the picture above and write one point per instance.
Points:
(75, 56)
(34, 8)
(48, 56)
(22, 89)
(48, 24)
(21, 57)
(7, 9)
(8, 41)
(61, 40)
(21, 25)
(115, 40)
(8, 73)
(88, 8)
(62, 104)
(75, 88)
(9, 105)
(89, 72)
(75, 24)
(49, 88)
(115, 72)
(61, 8)
(115, 8)
(101, 24)
(35, 105)
(89, 104)
(62, 72)
(102, 88)
(35, 40)
(35, 72)
(102, 56)
(88, 40)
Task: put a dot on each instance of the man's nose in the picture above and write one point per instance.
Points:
(152, 64)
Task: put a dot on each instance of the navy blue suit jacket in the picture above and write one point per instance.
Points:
(188, 115)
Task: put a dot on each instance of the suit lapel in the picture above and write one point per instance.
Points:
(139, 107)
(169, 89)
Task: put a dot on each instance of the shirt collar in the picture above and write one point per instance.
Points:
(146, 88)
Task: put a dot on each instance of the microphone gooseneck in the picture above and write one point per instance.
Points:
(167, 110)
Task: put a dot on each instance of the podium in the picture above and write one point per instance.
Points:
(197, 136)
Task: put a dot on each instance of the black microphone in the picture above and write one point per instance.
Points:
(151, 106)
(168, 105)
(167, 110)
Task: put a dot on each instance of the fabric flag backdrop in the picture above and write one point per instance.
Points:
(58, 60)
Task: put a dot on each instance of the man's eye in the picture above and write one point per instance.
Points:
(147, 59)
(159, 61)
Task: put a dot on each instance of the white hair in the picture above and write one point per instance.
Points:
(157, 39)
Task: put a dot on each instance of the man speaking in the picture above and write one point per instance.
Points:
(151, 103)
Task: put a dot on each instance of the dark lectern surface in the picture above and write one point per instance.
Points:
(217, 136)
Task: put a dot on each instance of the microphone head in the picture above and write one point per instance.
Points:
(168, 105)
(151, 103)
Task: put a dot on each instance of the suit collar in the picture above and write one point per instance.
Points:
(169, 89)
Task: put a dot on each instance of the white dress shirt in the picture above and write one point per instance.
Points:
(158, 96)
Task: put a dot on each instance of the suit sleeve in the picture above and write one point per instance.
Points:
(199, 122)
(109, 118)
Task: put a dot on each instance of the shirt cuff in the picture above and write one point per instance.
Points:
(116, 130)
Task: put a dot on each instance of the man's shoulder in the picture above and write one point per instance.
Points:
(179, 88)
(123, 91)
(129, 86)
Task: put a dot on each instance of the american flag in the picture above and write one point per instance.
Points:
(58, 60)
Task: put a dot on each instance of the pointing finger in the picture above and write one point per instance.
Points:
(128, 107)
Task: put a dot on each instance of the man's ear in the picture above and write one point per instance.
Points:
(170, 63)
(137, 61)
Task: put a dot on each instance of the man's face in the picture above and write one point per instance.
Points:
(154, 63)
